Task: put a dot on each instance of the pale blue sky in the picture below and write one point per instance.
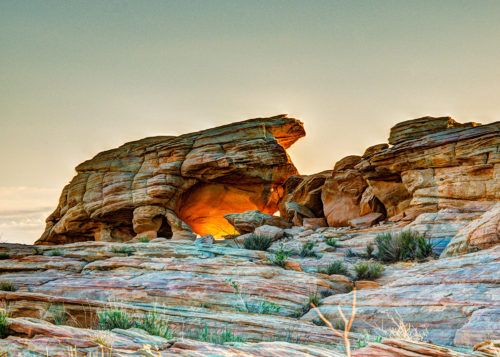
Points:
(80, 77)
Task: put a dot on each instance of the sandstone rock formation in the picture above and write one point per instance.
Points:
(346, 194)
(138, 188)
(457, 168)
(248, 221)
(302, 197)
(481, 233)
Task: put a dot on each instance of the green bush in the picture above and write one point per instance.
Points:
(144, 240)
(4, 324)
(337, 267)
(122, 250)
(59, 315)
(7, 286)
(4, 255)
(54, 253)
(256, 242)
(155, 326)
(218, 337)
(262, 306)
(111, 319)
(307, 250)
(368, 270)
(369, 250)
(280, 257)
(332, 242)
(407, 245)
(314, 298)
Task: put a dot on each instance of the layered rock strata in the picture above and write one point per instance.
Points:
(171, 186)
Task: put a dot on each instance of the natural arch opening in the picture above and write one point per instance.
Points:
(165, 231)
(204, 206)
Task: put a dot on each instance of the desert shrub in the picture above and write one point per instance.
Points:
(54, 253)
(337, 267)
(152, 323)
(407, 245)
(59, 315)
(325, 293)
(122, 250)
(318, 322)
(110, 319)
(332, 242)
(369, 250)
(260, 306)
(144, 240)
(349, 253)
(307, 250)
(280, 257)
(217, 336)
(7, 286)
(4, 255)
(314, 298)
(257, 242)
(4, 324)
(368, 270)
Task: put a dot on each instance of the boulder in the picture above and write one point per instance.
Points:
(314, 223)
(343, 194)
(481, 233)
(248, 221)
(176, 186)
(302, 197)
(367, 220)
(270, 232)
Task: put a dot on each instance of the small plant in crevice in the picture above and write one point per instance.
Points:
(122, 250)
(7, 286)
(144, 240)
(4, 324)
(253, 306)
(307, 250)
(368, 270)
(58, 313)
(54, 253)
(318, 322)
(314, 298)
(335, 268)
(364, 340)
(280, 257)
(111, 319)
(325, 293)
(332, 242)
(349, 253)
(257, 242)
(4, 255)
(154, 325)
(220, 336)
(369, 250)
(403, 246)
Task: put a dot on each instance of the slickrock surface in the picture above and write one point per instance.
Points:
(457, 300)
(46, 339)
(138, 188)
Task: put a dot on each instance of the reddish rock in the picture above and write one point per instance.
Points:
(302, 197)
(171, 186)
(367, 220)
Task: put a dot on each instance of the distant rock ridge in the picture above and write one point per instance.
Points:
(170, 186)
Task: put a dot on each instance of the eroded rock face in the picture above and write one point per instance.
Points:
(481, 233)
(343, 194)
(448, 169)
(170, 186)
(302, 197)
(417, 128)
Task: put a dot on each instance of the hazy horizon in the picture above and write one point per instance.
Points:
(79, 78)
